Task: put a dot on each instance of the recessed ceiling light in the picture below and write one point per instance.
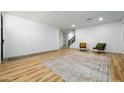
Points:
(73, 25)
(100, 19)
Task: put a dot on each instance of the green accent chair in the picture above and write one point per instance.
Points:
(100, 47)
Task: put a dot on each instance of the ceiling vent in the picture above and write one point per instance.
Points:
(89, 19)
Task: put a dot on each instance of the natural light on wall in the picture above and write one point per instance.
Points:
(71, 34)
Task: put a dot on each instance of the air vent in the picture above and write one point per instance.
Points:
(89, 19)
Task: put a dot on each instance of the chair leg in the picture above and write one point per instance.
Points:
(80, 49)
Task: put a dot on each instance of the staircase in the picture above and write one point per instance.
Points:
(71, 41)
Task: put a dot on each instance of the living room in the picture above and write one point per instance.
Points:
(39, 36)
(52, 46)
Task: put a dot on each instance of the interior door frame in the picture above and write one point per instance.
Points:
(2, 40)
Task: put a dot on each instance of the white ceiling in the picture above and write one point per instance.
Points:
(64, 19)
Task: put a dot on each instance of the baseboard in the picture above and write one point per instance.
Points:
(104, 51)
(25, 56)
(34, 54)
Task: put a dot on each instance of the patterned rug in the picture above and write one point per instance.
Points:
(77, 67)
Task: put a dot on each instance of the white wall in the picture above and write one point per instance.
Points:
(110, 33)
(24, 37)
(61, 39)
(65, 38)
(71, 34)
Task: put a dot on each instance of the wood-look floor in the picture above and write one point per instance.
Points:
(31, 69)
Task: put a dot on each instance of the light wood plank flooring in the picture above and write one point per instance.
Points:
(31, 69)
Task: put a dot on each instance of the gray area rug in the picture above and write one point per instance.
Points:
(77, 67)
